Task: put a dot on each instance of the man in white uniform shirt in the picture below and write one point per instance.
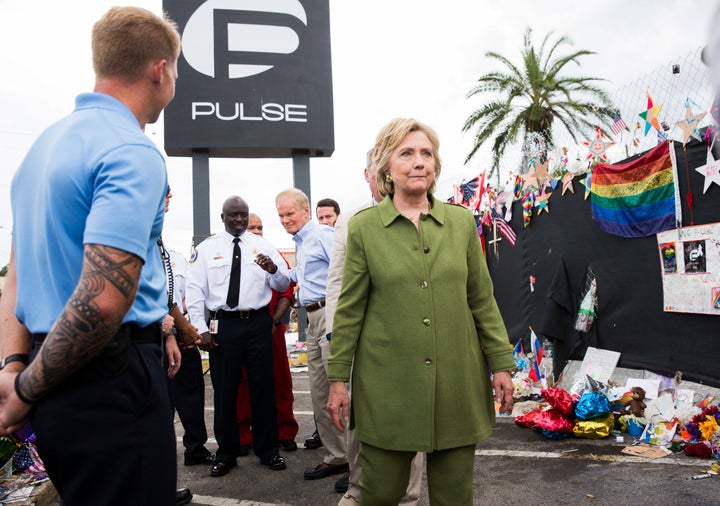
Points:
(233, 277)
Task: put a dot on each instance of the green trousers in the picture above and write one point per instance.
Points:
(385, 475)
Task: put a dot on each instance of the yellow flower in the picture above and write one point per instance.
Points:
(708, 428)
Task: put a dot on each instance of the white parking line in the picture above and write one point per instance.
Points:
(225, 501)
(604, 458)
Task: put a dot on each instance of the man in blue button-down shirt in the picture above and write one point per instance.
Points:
(313, 244)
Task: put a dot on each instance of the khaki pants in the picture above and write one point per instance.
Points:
(318, 350)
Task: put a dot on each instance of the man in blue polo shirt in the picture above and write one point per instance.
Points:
(86, 285)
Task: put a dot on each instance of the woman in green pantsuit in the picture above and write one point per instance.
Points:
(418, 325)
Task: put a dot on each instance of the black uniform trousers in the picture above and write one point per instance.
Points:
(244, 342)
(187, 397)
(106, 434)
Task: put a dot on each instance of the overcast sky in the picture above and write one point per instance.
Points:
(412, 58)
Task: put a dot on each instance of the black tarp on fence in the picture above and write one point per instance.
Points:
(557, 248)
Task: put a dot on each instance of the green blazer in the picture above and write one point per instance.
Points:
(418, 325)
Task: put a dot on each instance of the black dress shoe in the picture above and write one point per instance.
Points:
(313, 441)
(205, 460)
(323, 470)
(343, 483)
(244, 450)
(183, 496)
(288, 445)
(221, 469)
(274, 462)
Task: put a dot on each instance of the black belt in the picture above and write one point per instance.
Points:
(314, 306)
(150, 334)
(240, 313)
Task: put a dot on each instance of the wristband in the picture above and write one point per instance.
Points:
(15, 357)
(18, 393)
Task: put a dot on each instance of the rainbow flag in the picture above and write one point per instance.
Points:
(636, 198)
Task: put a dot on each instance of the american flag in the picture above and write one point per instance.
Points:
(618, 124)
(468, 194)
(504, 227)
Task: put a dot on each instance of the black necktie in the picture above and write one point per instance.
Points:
(234, 287)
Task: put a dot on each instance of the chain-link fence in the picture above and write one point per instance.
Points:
(682, 81)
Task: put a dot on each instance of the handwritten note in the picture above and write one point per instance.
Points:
(599, 364)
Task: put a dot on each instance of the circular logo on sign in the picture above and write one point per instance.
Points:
(251, 37)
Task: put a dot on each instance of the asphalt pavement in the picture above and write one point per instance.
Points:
(514, 466)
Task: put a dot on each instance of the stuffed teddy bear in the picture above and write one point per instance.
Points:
(636, 404)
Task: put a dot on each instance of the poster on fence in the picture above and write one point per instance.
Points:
(690, 264)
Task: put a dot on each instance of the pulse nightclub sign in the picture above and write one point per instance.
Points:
(255, 79)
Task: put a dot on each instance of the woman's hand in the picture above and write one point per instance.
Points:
(339, 405)
(503, 389)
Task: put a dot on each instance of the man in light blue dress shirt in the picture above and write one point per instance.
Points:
(313, 244)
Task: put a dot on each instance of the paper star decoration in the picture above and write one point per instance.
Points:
(711, 171)
(567, 182)
(598, 146)
(651, 115)
(587, 181)
(529, 180)
(541, 170)
(690, 124)
(541, 202)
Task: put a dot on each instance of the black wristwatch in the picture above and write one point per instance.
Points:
(15, 357)
(277, 322)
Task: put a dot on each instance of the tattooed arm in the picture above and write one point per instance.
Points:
(93, 314)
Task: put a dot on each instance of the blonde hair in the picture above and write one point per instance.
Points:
(298, 197)
(389, 138)
(126, 39)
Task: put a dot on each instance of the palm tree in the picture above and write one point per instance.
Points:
(533, 96)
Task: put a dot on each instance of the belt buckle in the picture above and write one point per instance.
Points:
(244, 314)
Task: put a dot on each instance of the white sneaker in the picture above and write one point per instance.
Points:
(348, 500)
